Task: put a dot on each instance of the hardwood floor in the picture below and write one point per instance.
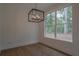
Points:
(31, 50)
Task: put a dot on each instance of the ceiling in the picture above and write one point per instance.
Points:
(41, 6)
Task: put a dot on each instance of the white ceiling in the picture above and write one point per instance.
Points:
(42, 6)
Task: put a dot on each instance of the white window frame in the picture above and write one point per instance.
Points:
(55, 10)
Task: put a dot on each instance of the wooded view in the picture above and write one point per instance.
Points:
(59, 22)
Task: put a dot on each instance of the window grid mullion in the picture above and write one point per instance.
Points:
(55, 23)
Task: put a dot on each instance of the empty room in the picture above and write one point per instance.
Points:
(39, 29)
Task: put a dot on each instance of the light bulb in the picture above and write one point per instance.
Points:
(33, 17)
(37, 16)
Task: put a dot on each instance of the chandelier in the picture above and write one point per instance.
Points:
(35, 15)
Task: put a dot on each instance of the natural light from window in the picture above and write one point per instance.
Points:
(58, 24)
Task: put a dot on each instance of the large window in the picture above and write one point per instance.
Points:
(58, 24)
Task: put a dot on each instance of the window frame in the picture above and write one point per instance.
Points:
(55, 10)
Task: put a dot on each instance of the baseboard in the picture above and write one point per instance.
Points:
(56, 49)
(27, 44)
(20, 46)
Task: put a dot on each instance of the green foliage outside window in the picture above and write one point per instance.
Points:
(50, 23)
(60, 21)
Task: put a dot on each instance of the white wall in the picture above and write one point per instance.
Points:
(0, 26)
(63, 45)
(16, 30)
(76, 29)
(1, 19)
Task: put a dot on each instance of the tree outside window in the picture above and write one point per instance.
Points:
(58, 24)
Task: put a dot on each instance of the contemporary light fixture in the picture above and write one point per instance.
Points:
(35, 15)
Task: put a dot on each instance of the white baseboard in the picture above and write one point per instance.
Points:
(18, 45)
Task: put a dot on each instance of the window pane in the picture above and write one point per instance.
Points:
(49, 25)
(60, 20)
(64, 24)
(69, 19)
